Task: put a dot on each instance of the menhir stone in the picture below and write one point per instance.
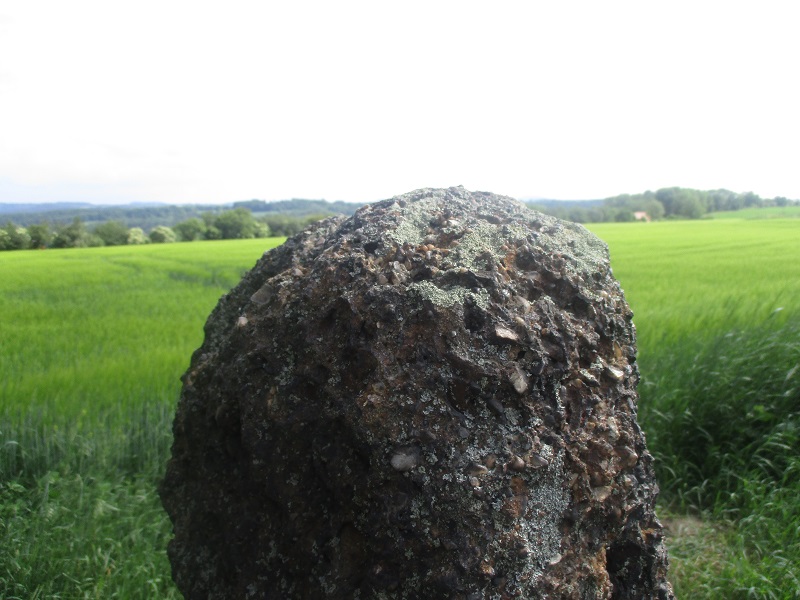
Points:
(435, 398)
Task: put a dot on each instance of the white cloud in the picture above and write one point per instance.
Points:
(199, 101)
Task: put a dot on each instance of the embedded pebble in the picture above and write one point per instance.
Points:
(519, 380)
(404, 462)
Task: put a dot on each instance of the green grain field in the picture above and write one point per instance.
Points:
(93, 341)
(717, 309)
(762, 212)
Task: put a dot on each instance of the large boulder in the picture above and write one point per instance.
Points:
(435, 398)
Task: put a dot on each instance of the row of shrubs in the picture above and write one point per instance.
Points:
(238, 223)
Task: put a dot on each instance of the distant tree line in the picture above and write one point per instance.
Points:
(149, 216)
(298, 206)
(145, 217)
(238, 223)
(241, 223)
(665, 203)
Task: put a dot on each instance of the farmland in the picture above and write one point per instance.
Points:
(765, 212)
(93, 341)
(717, 308)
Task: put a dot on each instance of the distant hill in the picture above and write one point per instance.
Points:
(562, 203)
(149, 215)
(15, 208)
(130, 215)
(299, 207)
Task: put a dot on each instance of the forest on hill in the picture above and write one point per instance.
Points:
(148, 216)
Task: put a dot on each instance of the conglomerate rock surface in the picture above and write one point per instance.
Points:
(435, 398)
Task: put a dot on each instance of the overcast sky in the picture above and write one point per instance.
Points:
(177, 101)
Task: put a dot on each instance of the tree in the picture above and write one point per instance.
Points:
(578, 215)
(190, 229)
(288, 225)
(654, 209)
(681, 202)
(750, 199)
(282, 224)
(113, 233)
(212, 232)
(41, 236)
(162, 235)
(262, 230)
(136, 236)
(236, 224)
(15, 238)
(73, 235)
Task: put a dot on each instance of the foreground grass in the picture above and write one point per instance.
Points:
(83, 536)
(724, 426)
(93, 342)
(717, 307)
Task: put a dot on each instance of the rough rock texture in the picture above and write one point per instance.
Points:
(435, 398)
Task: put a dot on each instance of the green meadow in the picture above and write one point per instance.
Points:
(717, 309)
(761, 212)
(93, 342)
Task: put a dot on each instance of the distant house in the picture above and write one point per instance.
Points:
(641, 215)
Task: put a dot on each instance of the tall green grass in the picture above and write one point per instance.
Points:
(723, 422)
(717, 307)
(93, 342)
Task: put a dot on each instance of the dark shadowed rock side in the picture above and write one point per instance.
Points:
(435, 398)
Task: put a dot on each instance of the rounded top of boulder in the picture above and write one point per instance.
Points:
(481, 223)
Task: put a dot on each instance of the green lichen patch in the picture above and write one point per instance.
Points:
(448, 297)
